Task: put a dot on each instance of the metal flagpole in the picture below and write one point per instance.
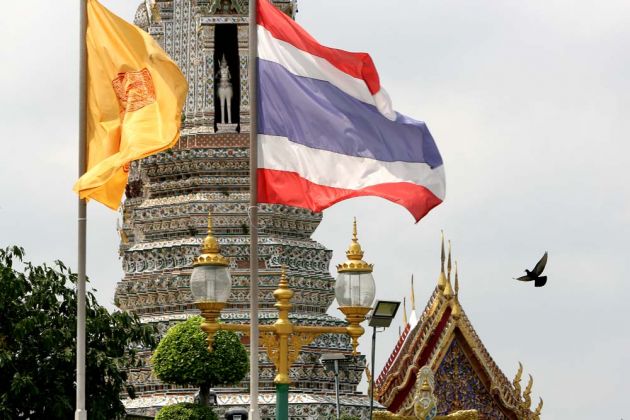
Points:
(373, 371)
(253, 215)
(81, 413)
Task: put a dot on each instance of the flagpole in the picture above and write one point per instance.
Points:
(81, 413)
(253, 216)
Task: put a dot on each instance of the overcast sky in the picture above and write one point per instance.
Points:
(529, 104)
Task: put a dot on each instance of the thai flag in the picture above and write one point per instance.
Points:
(327, 131)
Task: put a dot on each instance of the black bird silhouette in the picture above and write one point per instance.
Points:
(535, 274)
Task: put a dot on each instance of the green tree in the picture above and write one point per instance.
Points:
(182, 357)
(186, 411)
(38, 344)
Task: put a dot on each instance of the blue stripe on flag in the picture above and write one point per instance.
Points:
(319, 115)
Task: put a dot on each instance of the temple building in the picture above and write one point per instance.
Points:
(466, 377)
(168, 199)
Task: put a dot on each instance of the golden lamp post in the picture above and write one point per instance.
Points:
(210, 283)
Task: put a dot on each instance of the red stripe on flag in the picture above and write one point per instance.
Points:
(289, 188)
(282, 27)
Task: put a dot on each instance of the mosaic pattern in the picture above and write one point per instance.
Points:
(458, 386)
(302, 406)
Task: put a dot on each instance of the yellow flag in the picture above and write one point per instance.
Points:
(135, 96)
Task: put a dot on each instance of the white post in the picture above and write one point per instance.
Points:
(81, 413)
(254, 413)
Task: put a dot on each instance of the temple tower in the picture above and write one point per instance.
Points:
(170, 194)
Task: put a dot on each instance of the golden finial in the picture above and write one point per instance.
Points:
(457, 310)
(283, 294)
(404, 311)
(413, 297)
(283, 277)
(517, 379)
(448, 290)
(448, 267)
(210, 251)
(442, 276)
(354, 253)
(426, 387)
(538, 410)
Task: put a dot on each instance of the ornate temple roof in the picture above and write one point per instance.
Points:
(466, 375)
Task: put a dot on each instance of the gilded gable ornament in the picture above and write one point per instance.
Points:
(425, 402)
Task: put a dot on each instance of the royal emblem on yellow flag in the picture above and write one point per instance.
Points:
(135, 96)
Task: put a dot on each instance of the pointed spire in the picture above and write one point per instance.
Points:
(354, 253)
(448, 267)
(456, 281)
(413, 296)
(405, 321)
(210, 250)
(442, 277)
(448, 290)
(457, 309)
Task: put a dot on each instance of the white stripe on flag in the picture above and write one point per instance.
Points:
(304, 64)
(341, 171)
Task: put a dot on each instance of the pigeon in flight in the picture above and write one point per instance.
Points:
(535, 274)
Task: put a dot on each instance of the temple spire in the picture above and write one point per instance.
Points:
(456, 281)
(448, 290)
(442, 277)
(413, 297)
(405, 311)
(457, 310)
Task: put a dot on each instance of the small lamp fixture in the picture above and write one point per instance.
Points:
(329, 359)
(355, 288)
(332, 362)
(210, 283)
(383, 313)
(355, 285)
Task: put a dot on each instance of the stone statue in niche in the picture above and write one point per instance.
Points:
(226, 92)
(228, 7)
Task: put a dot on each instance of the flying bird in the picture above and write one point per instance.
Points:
(535, 274)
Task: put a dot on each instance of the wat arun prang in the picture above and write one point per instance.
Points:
(165, 214)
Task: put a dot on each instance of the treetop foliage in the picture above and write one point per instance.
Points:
(186, 411)
(38, 344)
(182, 357)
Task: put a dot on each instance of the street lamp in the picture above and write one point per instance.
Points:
(382, 315)
(211, 284)
(331, 362)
